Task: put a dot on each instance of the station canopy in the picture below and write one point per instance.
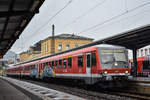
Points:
(132, 39)
(14, 17)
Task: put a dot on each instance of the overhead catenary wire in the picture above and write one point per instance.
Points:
(115, 17)
(123, 19)
(87, 12)
(51, 18)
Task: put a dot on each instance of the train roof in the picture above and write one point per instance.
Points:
(110, 46)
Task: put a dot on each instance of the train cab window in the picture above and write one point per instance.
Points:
(94, 59)
(60, 63)
(64, 63)
(80, 61)
(56, 64)
(70, 62)
(52, 64)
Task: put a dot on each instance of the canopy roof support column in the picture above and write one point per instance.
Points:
(134, 62)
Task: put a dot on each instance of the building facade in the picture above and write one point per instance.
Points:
(145, 51)
(62, 42)
(33, 53)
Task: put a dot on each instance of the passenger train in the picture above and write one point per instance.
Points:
(143, 68)
(92, 64)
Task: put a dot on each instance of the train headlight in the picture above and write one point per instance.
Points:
(126, 72)
(116, 64)
(105, 72)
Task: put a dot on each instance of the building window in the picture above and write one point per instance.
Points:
(137, 53)
(76, 45)
(47, 47)
(67, 47)
(145, 52)
(59, 46)
(141, 52)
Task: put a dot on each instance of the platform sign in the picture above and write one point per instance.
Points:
(1, 57)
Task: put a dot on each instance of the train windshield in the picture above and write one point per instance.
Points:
(114, 59)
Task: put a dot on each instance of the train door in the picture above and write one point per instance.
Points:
(37, 70)
(88, 64)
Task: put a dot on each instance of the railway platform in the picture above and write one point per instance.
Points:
(141, 79)
(10, 92)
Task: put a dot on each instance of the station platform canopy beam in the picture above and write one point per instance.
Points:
(14, 17)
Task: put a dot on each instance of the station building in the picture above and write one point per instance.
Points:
(62, 42)
(54, 44)
(32, 53)
(145, 51)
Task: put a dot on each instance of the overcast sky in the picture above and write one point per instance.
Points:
(90, 18)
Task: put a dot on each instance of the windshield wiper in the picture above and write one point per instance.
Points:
(108, 62)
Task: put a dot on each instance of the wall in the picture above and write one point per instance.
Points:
(46, 45)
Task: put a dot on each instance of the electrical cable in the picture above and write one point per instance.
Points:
(51, 18)
(117, 16)
(84, 14)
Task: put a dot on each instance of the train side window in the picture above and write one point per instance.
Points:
(56, 64)
(94, 59)
(64, 63)
(47, 64)
(21, 68)
(80, 61)
(70, 62)
(43, 65)
(60, 63)
(40, 65)
(52, 64)
(146, 65)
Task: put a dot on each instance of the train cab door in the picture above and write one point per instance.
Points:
(88, 64)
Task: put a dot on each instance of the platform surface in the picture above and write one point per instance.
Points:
(145, 79)
(8, 92)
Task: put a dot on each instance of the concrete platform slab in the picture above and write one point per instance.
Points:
(8, 92)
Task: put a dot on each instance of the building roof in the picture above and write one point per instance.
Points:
(69, 36)
(14, 17)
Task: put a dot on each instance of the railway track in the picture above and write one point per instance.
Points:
(89, 92)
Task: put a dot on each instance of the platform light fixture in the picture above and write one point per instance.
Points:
(36, 2)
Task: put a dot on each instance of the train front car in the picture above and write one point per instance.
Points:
(114, 64)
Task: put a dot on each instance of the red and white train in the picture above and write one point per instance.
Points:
(143, 68)
(92, 64)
